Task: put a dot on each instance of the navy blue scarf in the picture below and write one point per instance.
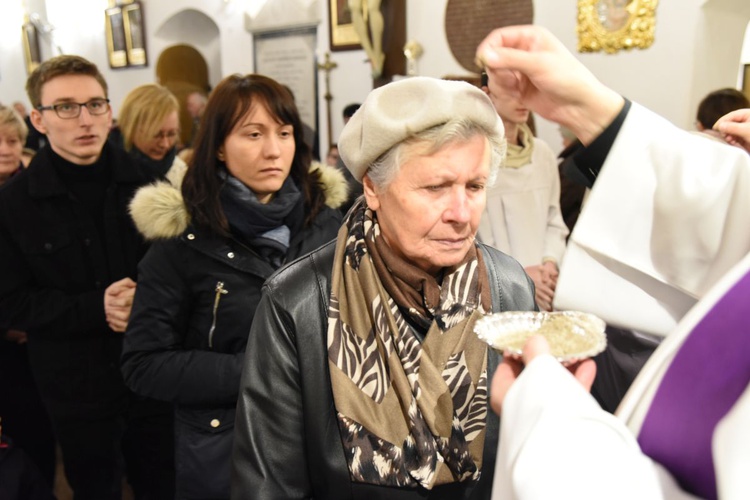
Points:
(268, 227)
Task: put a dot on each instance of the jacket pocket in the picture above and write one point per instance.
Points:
(44, 243)
(54, 258)
(203, 450)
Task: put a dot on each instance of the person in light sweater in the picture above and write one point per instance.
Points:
(522, 217)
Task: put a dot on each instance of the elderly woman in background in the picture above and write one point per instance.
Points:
(363, 376)
(13, 132)
(250, 202)
(148, 128)
(21, 408)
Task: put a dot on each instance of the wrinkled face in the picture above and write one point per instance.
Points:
(510, 110)
(429, 214)
(10, 151)
(79, 140)
(157, 146)
(259, 152)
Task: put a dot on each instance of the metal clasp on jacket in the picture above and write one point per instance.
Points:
(219, 292)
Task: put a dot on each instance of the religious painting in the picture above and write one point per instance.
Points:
(342, 33)
(31, 50)
(613, 25)
(135, 41)
(116, 47)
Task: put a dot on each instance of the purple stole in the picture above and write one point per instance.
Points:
(706, 377)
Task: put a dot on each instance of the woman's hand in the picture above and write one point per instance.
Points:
(509, 370)
(544, 277)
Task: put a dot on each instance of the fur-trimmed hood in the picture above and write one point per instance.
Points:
(159, 212)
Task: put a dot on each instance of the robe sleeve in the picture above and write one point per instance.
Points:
(658, 228)
(556, 442)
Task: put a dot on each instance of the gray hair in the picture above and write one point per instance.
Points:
(384, 170)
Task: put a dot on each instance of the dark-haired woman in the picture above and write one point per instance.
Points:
(250, 201)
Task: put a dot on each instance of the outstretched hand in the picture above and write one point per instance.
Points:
(735, 128)
(531, 65)
(509, 370)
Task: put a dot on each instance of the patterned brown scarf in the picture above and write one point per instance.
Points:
(410, 412)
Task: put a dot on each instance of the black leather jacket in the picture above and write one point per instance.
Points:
(287, 441)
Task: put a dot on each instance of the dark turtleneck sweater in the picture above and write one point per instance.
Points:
(87, 184)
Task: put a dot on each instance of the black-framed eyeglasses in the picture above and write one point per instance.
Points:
(68, 110)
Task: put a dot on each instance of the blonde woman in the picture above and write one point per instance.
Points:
(148, 128)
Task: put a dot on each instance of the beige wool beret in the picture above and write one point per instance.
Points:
(398, 110)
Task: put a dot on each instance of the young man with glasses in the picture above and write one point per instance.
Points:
(68, 256)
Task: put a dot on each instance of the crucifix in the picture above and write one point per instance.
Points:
(328, 66)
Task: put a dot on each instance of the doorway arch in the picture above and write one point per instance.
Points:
(186, 68)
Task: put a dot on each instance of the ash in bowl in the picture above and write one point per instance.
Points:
(571, 335)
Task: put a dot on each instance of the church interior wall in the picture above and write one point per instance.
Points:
(690, 55)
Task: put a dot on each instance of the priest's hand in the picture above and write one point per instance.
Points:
(529, 64)
(508, 371)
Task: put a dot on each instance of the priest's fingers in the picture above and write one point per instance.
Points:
(547, 79)
(584, 371)
(505, 374)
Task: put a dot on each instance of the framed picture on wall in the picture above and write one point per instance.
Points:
(31, 50)
(135, 39)
(288, 56)
(342, 34)
(614, 25)
(116, 48)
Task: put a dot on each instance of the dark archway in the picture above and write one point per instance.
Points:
(183, 70)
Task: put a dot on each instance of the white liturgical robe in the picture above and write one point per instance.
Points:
(664, 232)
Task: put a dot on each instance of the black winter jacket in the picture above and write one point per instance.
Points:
(287, 440)
(194, 304)
(54, 268)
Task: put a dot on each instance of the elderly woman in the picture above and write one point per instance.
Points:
(250, 202)
(21, 408)
(13, 132)
(363, 377)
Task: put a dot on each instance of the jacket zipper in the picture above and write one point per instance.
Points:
(219, 292)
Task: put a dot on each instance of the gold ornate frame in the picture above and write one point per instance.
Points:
(342, 34)
(31, 51)
(135, 33)
(599, 29)
(116, 46)
(126, 36)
